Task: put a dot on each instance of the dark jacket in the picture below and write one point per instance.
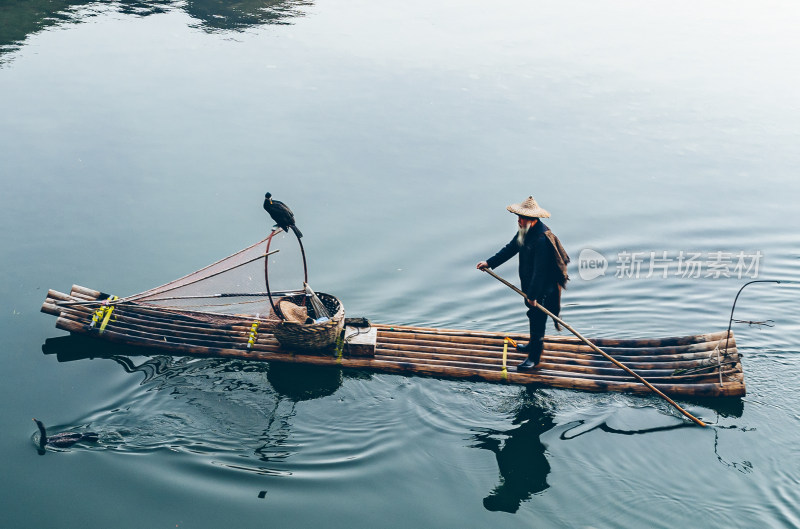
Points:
(542, 264)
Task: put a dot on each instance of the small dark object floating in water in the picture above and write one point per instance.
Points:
(64, 439)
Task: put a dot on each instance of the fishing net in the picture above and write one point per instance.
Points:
(237, 286)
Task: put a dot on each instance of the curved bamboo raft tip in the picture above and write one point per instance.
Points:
(703, 365)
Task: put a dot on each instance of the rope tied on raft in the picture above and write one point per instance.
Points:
(253, 332)
(506, 341)
(103, 314)
(715, 360)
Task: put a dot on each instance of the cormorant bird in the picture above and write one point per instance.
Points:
(281, 214)
(63, 440)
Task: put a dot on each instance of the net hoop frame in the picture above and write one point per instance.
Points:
(266, 269)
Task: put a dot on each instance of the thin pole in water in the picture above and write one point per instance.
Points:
(733, 307)
(597, 349)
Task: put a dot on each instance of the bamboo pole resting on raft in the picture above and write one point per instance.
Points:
(597, 349)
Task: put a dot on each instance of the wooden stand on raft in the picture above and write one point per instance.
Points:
(678, 366)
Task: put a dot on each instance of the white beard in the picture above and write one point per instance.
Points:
(521, 232)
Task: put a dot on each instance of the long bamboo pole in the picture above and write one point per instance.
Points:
(569, 363)
(699, 349)
(638, 342)
(424, 352)
(597, 349)
(574, 360)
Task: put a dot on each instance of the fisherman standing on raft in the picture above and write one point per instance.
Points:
(542, 272)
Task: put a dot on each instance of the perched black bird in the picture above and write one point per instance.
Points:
(281, 214)
(63, 440)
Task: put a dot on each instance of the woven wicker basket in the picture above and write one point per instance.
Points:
(312, 337)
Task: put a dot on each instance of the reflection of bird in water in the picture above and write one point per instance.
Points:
(64, 439)
(281, 214)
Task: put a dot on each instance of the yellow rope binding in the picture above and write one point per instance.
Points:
(253, 333)
(97, 316)
(506, 341)
(339, 348)
(103, 314)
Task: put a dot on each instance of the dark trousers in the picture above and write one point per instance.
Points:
(537, 321)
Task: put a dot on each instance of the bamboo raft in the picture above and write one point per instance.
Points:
(689, 366)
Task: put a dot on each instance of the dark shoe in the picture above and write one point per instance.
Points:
(524, 348)
(526, 365)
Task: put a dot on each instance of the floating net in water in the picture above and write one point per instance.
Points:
(237, 286)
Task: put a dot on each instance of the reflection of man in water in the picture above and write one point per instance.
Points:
(521, 458)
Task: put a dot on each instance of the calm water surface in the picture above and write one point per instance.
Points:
(138, 138)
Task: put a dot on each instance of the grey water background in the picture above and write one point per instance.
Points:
(137, 140)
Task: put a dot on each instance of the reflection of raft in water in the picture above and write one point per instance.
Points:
(686, 366)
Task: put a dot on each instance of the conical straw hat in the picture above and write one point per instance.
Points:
(529, 208)
(292, 312)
